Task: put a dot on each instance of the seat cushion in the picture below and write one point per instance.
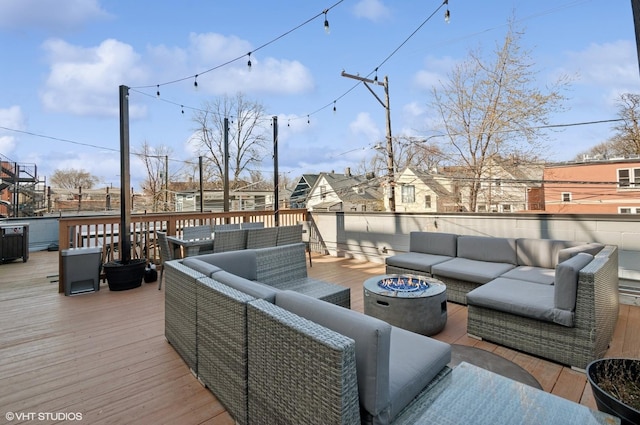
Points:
(532, 274)
(519, 297)
(433, 243)
(416, 261)
(414, 361)
(372, 337)
(470, 270)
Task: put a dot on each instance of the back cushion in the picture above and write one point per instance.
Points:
(482, 248)
(372, 337)
(250, 287)
(540, 252)
(202, 266)
(241, 262)
(433, 243)
(566, 283)
(590, 248)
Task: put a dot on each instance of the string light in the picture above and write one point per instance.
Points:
(158, 90)
(308, 120)
(334, 106)
(182, 108)
(195, 82)
(375, 79)
(326, 22)
(249, 61)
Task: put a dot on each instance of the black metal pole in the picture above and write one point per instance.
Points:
(225, 199)
(276, 203)
(201, 185)
(124, 234)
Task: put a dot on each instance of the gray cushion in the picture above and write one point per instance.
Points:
(482, 248)
(255, 289)
(416, 261)
(470, 270)
(414, 361)
(590, 248)
(203, 267)
(566, 286)
(372, 337)
(532, 274)
(527, 299)
(540, 252)
(241, 262)
(433, 243)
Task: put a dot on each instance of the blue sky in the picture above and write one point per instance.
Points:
(63, 61)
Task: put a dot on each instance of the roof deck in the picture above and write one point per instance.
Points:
(103, 355)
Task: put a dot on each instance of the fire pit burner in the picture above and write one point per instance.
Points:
(403, 284)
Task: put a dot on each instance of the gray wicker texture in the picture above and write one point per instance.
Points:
(222, 344)
(252, 225)
(229, 240)
(196, 232)
(284, 267)
(180, 311)
(166, 254)
(596, 315)
(299, 372)
(225, 227)
(262, 238)
(289, 234)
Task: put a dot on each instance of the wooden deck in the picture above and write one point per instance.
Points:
(103, 355)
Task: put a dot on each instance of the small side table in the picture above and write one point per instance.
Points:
(419, 306)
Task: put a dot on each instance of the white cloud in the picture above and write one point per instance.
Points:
(49, 14)
(12, 118)
(364, 125)
(85, 80)
(267, 75)
(374, 10)
(608, 64)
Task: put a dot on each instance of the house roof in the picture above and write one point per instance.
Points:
(345, 187)
(430, 180)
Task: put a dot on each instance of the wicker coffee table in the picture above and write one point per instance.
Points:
(412, 302)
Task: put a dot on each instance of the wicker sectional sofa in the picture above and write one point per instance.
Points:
(274, 355)
(551, 298)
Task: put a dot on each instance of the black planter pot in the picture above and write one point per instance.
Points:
(605, 401)
(121, 277)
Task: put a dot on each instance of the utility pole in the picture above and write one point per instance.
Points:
(276, 203)
(385, 105)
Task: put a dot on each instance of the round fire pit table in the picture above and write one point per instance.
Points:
(412, 302)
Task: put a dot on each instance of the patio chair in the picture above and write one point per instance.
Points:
(252, 225)
(289, 234)
(224, 227)
(166, 254)
(306, 237)
(196, 232)
(262, 238)
(229, 240)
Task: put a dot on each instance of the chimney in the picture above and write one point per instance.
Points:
(347, 171)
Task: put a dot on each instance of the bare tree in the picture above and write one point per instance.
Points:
(72, 179)
(626, 140)
(248, 127)
(491, 108)
(155, 161)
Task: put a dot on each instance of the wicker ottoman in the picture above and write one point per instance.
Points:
(411, 302)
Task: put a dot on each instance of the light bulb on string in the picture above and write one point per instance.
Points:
(195, 82)
(308, 120)
(249, 61)
(182, 108)
(326, 22)
(375, 78)
(158, 90)
(334, 106)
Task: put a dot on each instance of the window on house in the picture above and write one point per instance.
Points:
(427, 201)
(408, 194)
(323, 192)
(566, 196)
(629, 177)
(506, 208)
(482, 208)
(628, 210)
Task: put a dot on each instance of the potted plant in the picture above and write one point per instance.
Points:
(616, 387)
(124, 275)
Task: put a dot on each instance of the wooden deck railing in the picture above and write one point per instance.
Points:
(102, 231)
